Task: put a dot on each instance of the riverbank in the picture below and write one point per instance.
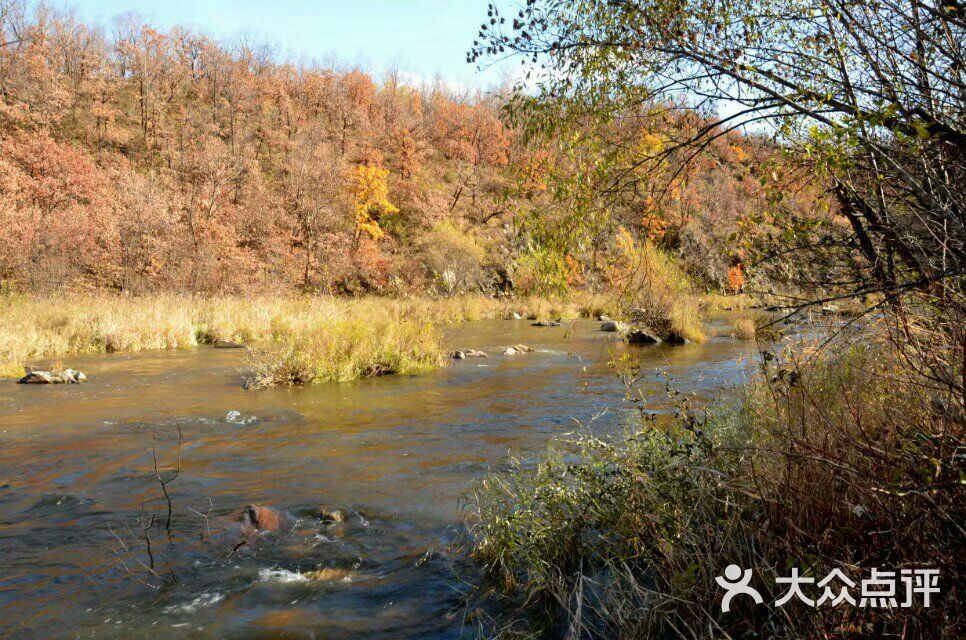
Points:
(295, 339)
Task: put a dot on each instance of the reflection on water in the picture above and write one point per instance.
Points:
(396, 453)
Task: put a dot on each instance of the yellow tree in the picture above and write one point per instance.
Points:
(371, 196)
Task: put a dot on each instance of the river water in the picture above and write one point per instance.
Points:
(398, 454)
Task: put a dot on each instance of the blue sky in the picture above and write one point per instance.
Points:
(428, 37)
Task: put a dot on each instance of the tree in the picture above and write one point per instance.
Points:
(869, 96)
(370, 192)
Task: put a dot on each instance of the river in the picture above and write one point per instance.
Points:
(77, 477)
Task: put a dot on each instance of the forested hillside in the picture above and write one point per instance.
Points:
(140, 160)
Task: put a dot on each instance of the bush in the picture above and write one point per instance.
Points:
(815, 467)
(653, 289)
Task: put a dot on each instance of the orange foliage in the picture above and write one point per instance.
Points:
(736, 278)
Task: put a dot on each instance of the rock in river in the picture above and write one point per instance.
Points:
(67, 376)
(612, 325)
(546, 323)
(255, 517)
(639, 335)
(333, 516)
(468, 353)
(516, 349)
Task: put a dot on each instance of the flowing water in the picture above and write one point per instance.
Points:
(78, 483)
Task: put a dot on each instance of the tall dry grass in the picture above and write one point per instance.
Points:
(36, 329)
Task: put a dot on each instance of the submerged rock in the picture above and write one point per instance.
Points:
(328, 575)
(255, 517)
(228, 344)
(546, 323)
(475, 353)
(612, 325)
(639, 335)
(334, 516)
(67, 376)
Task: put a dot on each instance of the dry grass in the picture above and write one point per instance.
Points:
(36, 329)
(745, 328)
(298, 339)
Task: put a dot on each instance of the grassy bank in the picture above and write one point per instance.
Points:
(294, 340)
(816, 467)
(336, 338)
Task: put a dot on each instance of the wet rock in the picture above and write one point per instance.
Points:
(77, 376)
(676, 338)
(67, 376)
(639, 335)
(516, 349)
(327, 575)
(459, 355)
(228, 344)
(334, 516)
(37, 377)
(475, 353)
(611, 325)
(546, 323)
(603, 318)
(256, 517)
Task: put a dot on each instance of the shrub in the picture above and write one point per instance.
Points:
(745, 328)
(815, 467)
(652, 288)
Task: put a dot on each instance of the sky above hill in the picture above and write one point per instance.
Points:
(426, 37)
